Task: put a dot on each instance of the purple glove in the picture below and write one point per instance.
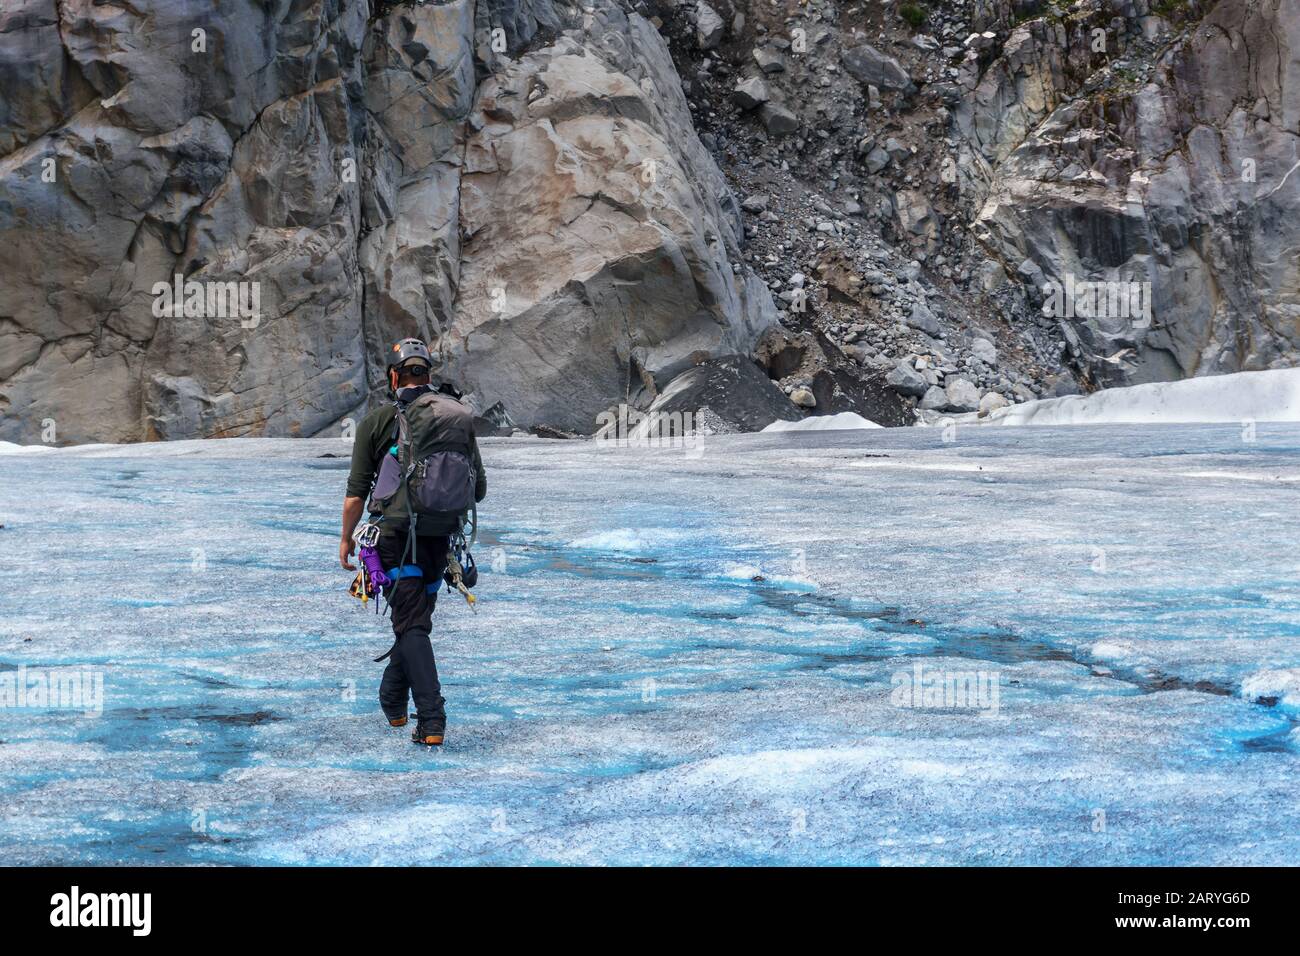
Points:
(374, 569)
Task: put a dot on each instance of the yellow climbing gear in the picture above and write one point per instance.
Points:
(457, 580)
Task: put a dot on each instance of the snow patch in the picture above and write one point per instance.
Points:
(1271, 396)
(9, 448)
(822, 423)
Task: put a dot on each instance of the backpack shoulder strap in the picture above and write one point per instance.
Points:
(403, 435)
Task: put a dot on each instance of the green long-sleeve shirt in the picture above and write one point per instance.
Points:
(376, 434)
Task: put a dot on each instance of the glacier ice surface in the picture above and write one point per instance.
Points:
(678, 657)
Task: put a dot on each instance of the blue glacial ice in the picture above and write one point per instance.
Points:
(681, 656)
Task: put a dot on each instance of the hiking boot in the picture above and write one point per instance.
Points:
(429, 734)
(396, 721)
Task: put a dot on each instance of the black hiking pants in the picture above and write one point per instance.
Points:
(411, 670)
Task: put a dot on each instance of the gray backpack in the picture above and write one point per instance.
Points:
(430, 481)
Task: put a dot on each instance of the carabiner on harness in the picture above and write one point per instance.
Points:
(366, 534)
(461, 573)
(371, 579)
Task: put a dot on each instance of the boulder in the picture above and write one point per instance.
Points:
(985, 351)
(778, 120)
(709, 27)
(750, 93)
(923, 319)
(1059, 386)
(991, 402)
(896, 150)
(769, 61)
(906, 380)
(877, 159)
(916, 216)
(935, 399)
(962, 395)
(803, 397)
(868, 65)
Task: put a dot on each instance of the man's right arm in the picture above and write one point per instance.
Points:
(362, 473)
(352, 508)
(360, 477)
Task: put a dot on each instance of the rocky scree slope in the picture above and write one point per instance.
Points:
(915, 176)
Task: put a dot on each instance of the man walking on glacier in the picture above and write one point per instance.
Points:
(417, 460)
